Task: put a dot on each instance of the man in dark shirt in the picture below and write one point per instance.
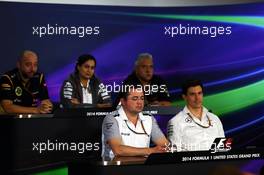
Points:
(155, 88)
(23, 89)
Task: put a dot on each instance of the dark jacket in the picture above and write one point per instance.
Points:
(71, 88)
(12, 88)
(158, 90)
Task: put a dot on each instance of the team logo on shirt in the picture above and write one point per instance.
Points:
(188, 120)
(108, 125)
(18, 91)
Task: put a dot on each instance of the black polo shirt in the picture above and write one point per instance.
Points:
(12, 88)
(157, 90)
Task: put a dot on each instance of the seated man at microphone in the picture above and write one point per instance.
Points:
(128, 131)
(23, 89)
(194, 128)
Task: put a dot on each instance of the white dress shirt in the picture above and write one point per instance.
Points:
(188, 133)
(117, 125)
(87, 96)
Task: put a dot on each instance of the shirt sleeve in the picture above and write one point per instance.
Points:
(174, 134)
(6, 89)
(110, 128)
(170, 132)
(66, 94)
(104, 95)
(156, 133)
(43, 88)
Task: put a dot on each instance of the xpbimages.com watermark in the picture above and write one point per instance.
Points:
(219, 145)
(147, 89)
(188, 29)
(58, 30)
(56, 145)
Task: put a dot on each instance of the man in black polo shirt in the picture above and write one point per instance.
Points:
(155, 88)
(23, 89)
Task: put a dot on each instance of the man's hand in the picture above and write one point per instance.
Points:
(75, 101)
(103, 105)
(45, 107)
(157, 149)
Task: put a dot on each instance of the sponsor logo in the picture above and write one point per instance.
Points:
(221, 145)
(18, 91)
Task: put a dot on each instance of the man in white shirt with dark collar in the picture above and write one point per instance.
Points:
(128, 131)
(194, 128)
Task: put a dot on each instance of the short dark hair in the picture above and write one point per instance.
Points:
(82, 59)
(191, 83)
(125, 92)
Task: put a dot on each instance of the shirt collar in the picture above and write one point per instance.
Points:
(87, 85)
(19, 76)
(186, 111)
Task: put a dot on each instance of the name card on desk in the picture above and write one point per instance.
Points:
(101, 112)
(162, 110)
(201, 156)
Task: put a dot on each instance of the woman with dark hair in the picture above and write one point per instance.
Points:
(83, 87)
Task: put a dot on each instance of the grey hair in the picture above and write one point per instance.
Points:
(143, 56)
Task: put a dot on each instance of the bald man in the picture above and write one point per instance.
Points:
(23, 89)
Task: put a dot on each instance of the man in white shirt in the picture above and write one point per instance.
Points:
(128, 131)
(194, 128)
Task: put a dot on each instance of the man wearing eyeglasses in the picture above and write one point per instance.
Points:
(128, 131)
(194, 128)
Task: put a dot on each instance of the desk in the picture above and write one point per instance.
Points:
(20, 135)
(19, 132)
(140, 165)
(90, 112)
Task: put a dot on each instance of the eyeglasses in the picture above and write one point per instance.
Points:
(209, 121)
(140, 133)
